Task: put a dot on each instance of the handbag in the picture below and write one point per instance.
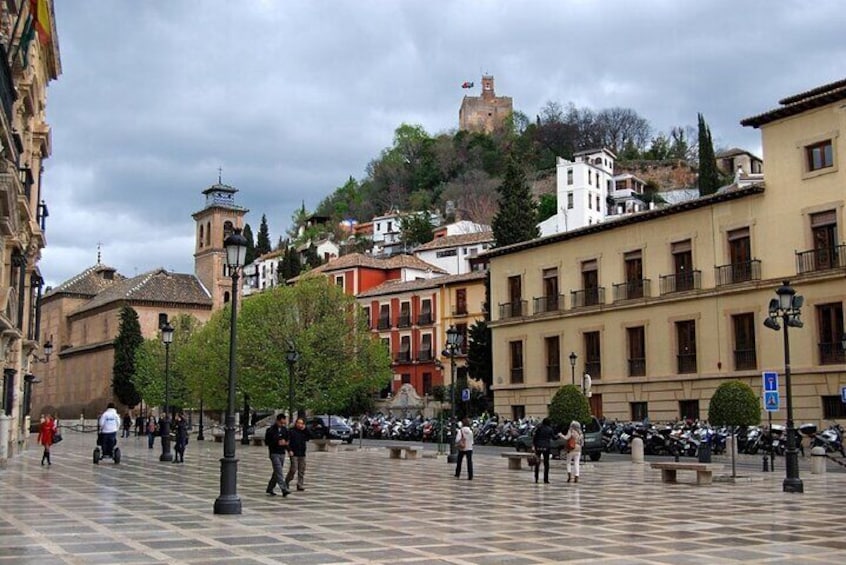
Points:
(57, 437)
(533, 460)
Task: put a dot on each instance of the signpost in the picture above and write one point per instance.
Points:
(771, 404)
(843, 394)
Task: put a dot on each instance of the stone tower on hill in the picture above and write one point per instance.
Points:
(484, 113)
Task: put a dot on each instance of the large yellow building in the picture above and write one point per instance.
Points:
(29, 61)
(662, 306)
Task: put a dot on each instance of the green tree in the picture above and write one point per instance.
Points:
(263, 238)
(734, 404)
(568, 405)
(251, 244)
(547, 206)
(480, 355)
(416, 229)
(709, 176)
(128, 340)
(516, 219)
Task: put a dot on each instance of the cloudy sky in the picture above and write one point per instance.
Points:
(290, 98)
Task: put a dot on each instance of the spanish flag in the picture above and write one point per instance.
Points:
(40, 12)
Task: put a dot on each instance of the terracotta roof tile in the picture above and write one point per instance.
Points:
(89, 282)
(457, 240)
(395, 286)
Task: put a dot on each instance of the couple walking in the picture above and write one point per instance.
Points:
(542, 443)
(282, 442)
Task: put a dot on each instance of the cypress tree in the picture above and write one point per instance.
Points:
(709, 177)
(516, 219)
(263, 238)
(251, 244)
(129, 339)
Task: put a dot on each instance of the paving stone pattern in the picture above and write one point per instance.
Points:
(362, 507)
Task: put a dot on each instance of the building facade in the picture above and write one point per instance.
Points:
(29, 61)
(487, 112)
(661, 307)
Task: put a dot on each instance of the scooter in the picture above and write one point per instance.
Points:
(102, 450)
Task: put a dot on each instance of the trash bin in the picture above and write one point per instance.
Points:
(705, 452)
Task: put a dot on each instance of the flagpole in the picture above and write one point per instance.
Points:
(12, 35)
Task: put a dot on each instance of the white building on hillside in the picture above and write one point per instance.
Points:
(453, 253)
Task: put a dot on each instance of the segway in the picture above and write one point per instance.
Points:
(102, 451)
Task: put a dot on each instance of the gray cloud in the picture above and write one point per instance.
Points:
(290, 98)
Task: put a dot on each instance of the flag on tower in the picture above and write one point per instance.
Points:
(40, 13)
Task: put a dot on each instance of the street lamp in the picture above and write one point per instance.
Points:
(573, 358)
(453, 343)
(245, 428)
(167, 339)
(440, 367)
(291, 357)
(788, 307)
(229, 502)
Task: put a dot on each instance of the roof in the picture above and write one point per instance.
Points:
(456, 240)
(396, 286)
(802, 102)
(735, 151)
(155, 286)
(711, 199)
(89, 282)
(352, 260)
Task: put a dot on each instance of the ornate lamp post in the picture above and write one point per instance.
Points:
(291, 357)
(453, 343)
(573, 358)
(167, 339)
(788, 307)
(229, 502)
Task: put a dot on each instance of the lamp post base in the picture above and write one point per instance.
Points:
(792, 482)
(228, 502)
(166, 455)
(453, 454)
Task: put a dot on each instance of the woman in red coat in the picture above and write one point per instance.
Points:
(45, 437)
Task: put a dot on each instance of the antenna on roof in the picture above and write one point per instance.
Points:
(220, 175)
(99, 244)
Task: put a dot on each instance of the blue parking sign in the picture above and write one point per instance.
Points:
(770, 381)
(465, 394)
(843, 394)
(771, 401)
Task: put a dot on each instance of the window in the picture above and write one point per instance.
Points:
(590, 283)
(404, 354)
(590, 202)
(405, 315)
(425, 353)
(518, 412)
(462, 331)
(447, 253)
(744, 342)
(689, 409)
(384, 317)
(8, 391)
(819, 155)
(686, 346)
(339, 281)
(427, 383)
(593, 363)
(636, 338)
(569, 176)
(550, 289)
(365, 311)
(569, 200)
(683, 265)
(830, 328)
(833, 408)
(639, 411)
(406, 378)
(516, 348)
(425, 312)
(553, 359)
(598, 207)
(824, 234)
(515, 294)
(460, 301)
(740, 255)
(590, 177)
(633, 263)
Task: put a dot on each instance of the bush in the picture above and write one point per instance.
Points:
(568, 404)
(734, 404)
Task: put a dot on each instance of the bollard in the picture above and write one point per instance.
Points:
(818, 461)
(637, 450)
(766, 468)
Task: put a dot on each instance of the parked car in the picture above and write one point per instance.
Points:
(319, 428)
(592, 446)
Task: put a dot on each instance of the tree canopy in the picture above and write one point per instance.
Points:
(568, 405)
(128, 340)
(516, 219)
(734, 404)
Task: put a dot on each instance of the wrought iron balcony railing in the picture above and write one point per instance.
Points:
(738, 272)
(679, 282)
(553, 303)
(745, 359)
(629, 290)
(637, 367)
(424, 319)
(686, 362)
(512, 309)
(384, 324)
(821, 259)
(587, 297)
(404, 321)
(831, 353)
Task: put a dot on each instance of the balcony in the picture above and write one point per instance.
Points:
(425, 356)
(404, 321)
(587, 297)
(831, 353)
(459, 311)
(594, 369)
(424, 319)
(738, 272)
(745, 359)
(553, 373)
(821, 259)
(554, 303)
(512, 309)
(383, 324)
(680, 282)
(637, 367)
(402, 357)
(7, 89)
(629, 290)
(686, 363)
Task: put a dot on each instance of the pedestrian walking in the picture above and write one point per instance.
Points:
(276, 440)
(574, 440)
(297, 442)
(151, 431)
(109, 423)
(465, 449)
(180, 427)
(541, 445)
(127, 425)
(46, 432)
(139, 425)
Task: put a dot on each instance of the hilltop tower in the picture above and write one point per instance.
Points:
(484, 113)
(219, 218)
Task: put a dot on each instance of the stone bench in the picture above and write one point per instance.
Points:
(704, 471)
(411, 451)
(218, 437)
(257, 440)
(324, 444)
(515, 459)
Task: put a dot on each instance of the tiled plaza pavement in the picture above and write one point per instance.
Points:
(361, 507)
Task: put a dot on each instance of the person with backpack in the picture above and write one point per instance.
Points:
(464, 440)
(573, 437)
(541, 445)
(276, 439)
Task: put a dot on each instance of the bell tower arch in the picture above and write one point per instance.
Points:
(219, 218)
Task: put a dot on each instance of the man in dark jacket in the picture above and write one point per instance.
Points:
(276, 439)
(299, 437)
(542, 443)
